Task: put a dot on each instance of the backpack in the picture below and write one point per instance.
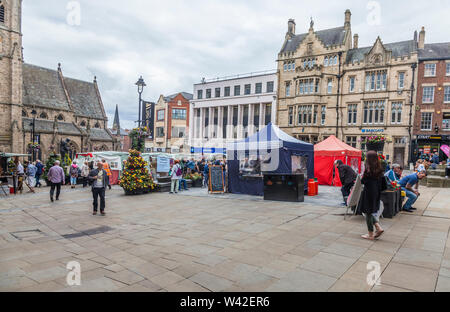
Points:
(178, 172)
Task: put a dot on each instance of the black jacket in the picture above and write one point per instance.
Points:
(371, 194)
(346, 174)
(93, 173)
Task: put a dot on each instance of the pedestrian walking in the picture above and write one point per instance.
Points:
(347, 177)
(175, 175)
(99, 179)
(20, 176)
(56, 177)
(108, 172)
(85, 173)
(39, 172)
(73, 172)
(31, 176)
(374, 183)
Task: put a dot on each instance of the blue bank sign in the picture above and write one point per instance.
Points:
(372, 130)
(207, 150)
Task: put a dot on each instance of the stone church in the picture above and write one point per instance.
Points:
(66, 111)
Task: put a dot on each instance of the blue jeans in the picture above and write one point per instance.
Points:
(183, 182)
(411, 198)
(73, 180)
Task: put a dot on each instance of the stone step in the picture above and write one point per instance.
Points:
(423, 182)
(434, 181)
(436, 172)
(163, 186)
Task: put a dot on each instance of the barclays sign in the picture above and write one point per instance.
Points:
(372, 130)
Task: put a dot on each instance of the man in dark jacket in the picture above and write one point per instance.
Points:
(99, 179)
(347, 176)
(39, 171)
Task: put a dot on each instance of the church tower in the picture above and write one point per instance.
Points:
(11, 81)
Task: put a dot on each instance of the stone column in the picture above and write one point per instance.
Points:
(251, 115)
(211, 122)
(262, 115)
(273, 116)
(240, 121)
(191, 124)
(220, 124)
(202, 124)
(230, 123)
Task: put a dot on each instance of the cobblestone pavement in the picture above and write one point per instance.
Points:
(162, 242)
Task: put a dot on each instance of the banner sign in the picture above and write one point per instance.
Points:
(446, 150)
(162, 164)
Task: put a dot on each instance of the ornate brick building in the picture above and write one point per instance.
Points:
(63, 108)
(328, 85)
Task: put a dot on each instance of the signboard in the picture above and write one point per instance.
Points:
(427, 149)
(207, 150)
(149, 117)
(162, 164)
(371, 130)
(216, 183)
(446, 150)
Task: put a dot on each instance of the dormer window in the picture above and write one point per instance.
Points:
(97, 125)
(60, 117)
(43, 116)
(83, 123)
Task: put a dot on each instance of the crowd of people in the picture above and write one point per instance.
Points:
(182, 168)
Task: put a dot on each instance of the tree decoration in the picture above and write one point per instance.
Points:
(136, 178)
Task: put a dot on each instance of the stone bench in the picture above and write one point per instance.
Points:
(436, 172)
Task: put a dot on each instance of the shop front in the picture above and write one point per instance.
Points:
(427, 145)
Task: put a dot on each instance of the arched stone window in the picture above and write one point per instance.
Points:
(24, 113)
(97, 125)
(2, 13)
(43, 116)
(83, 123)
(60, 117)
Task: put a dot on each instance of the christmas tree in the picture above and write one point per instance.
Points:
(136, 178)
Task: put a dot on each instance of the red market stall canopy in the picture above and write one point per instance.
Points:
(327, 152)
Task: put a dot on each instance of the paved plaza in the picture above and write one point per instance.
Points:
(199, 242)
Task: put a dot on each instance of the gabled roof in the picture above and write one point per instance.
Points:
(84, 98)
(329, 37)
(435, 51)
(186, 95)
(332, 146)
(402, 48)
(46, 126)
(43, 87)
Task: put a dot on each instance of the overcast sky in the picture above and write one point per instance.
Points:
(174, 43)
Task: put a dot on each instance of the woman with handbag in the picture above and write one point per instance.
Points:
(374, 183)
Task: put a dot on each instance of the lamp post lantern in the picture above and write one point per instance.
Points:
(140, 84)
(413, 67)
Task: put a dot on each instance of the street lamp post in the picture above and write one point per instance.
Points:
(34, 113)
(140, 84)
(413, 67)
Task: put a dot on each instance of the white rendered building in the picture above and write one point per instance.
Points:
(230, 108)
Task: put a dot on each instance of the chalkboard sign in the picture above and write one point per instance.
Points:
(216, 183)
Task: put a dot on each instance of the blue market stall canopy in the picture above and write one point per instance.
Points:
(269, 151)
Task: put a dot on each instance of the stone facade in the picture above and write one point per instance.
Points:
(330, 86)
(171, 124)
(63, 108)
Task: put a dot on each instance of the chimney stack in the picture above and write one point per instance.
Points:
(348, 17)
(355, 41)
(291, 26)
(421, 44)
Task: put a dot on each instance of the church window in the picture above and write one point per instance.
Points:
(325, 62)
(335, 60)
(43, 116)
(97, 125)
(83, 123)
(2, 13)
(60, 117)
